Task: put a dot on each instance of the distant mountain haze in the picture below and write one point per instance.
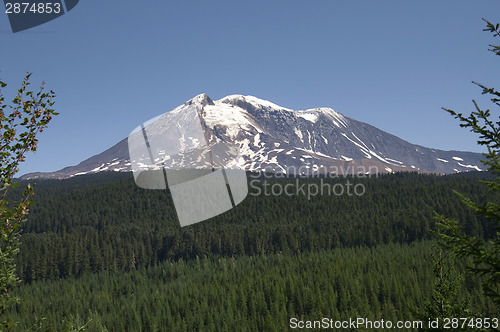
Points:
(272, 138)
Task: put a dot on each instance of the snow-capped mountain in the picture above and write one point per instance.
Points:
(273, 138)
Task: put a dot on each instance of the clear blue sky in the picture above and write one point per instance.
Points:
(115, 64)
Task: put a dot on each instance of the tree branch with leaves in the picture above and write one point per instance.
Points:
(20, 123)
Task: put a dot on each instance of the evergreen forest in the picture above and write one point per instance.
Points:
(99, 253)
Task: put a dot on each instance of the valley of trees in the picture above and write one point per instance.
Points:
(256, 293)
(100, 253)
(79, 225)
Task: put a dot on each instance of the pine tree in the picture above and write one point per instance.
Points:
(485, 252)
(445, 301)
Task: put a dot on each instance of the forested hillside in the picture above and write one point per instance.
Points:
(263, 293)
(106, 222)
(99, 250)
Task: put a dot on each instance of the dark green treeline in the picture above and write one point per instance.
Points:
(105, 222)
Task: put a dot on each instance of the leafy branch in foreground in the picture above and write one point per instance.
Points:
(20, 123)
(484, 252)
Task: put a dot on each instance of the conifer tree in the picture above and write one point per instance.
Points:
(445, 301)
(485, 252)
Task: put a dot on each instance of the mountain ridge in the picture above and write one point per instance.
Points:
(277, 139)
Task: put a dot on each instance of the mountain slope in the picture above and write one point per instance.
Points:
(277, 139)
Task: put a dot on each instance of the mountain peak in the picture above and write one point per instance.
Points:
(202, 99)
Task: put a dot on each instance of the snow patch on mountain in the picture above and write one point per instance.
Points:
(395, 161)
(298, 133)
(311, 117)
(253, 101)
(233, 118)
(470, 166)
